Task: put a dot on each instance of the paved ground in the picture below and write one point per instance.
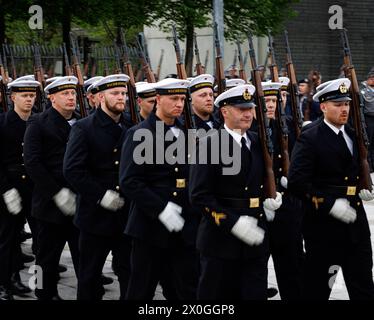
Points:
(68, 283)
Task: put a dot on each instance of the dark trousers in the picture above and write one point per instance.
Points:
(10, 250)
(94, 250)
(370, 132)
(321, 265)
(148, 267)
(51, 241)
(239, 279)
(286, 248)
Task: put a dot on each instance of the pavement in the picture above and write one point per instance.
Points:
(68, 283)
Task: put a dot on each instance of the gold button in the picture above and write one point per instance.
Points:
(176, 169)
(175, 194)
(280, 169)
(261, 186)
(358, 177)
(261, 215)
(22, 144)
(282, 193)
(279, 156)
(23, 176)
(116, 163)
(246, 188)
(117, 188)
(345, 178)
(22, 154)
(115, 150)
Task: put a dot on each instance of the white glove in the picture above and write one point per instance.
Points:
(306, 123)
(112, 200)
(246, 229)
(171, 217)
(284, 182)
(12, 200)
(342, 211)
(270, 205)
(65, 200)
(366, 195)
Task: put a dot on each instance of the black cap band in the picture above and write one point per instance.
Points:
(111, 85)
(333, 95)
(171, 91)
(148, 94)
(23, 89)
(62, 88)
(270, 92)
(237, 101)
(201, 86)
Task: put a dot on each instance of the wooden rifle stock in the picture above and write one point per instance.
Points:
(358, 116)
(279, 112)
(263, 126)
(293, 90)
(242, 74)
(198, 66)
(189, 120)
(82, 101)
(220, 75)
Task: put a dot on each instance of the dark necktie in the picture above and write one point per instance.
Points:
(343, 143)
(245, 154)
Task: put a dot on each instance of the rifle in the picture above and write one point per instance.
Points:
(199, 68)
(181, 71)
(40, 100)
(220, 75)
(131, 89)
(242, 74)
(3, 87)
(68, 70)
(293, 88)
(189, 120)
(159, 64)
(280, 114)
(144, 45)
(357, 107)
(81, 96)
(145, 65)
(263, 125)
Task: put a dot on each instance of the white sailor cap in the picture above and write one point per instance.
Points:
(334, 90)
(63, 83)
(140, 82)
(231, 83)
(50, 80)
(145, 90)
(27, 78)
(90, 81)
(271, 88)
(112, 81)
(240, 96)
(285, 81)
(200, 82)
(24, 86)
(92, 86)
(171, 86)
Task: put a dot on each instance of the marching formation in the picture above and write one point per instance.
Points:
(190, 183)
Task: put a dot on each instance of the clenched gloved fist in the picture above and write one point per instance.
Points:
(171, 217)
(112, 200)
(12, 200)
(246, 229)
(270, 205)
(342, 211)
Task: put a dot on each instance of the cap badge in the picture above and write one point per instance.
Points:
(343, 88)
(247, 95)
